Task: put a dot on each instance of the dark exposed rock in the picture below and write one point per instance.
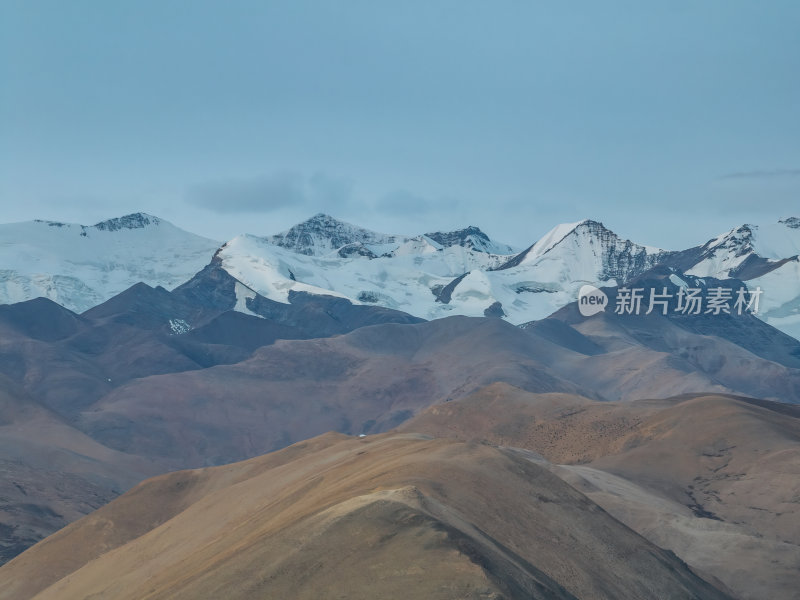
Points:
(470, 237)
(324, 232)
(132, 221)
(494, 311)
(446, 292)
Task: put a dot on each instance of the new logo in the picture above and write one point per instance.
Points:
(591, 300)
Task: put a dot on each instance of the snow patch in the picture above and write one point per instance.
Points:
(678, 281)
(243, 294)
(179, 326)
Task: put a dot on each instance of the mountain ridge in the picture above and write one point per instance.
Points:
(429, 275)
(390, 516)
(81, 266)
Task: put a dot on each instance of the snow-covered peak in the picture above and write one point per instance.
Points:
(80, 266)
(553, 237)
(322, 234)
(775, 241)
(470, 237)
(589, 245)
(772, 242)
(765, 256)
(430, 276)
(138, 220)
(272, 271)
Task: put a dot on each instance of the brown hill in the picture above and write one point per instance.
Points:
(389, 516)
(712, 478)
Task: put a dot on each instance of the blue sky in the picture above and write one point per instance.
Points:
(668, 121)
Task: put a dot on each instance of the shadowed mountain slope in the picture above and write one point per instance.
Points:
(364, 382)
(631, 356)
(69, 361)
(54, 364)
(52, 474)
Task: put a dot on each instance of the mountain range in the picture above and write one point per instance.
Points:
(429, 276)
(641, 443)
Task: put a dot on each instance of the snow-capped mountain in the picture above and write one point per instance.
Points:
(406, 278)
(765, 256)
(322, 234)
(440, 274)
(80, 266)
(749, 250)
(595, 251)
(430, 275)
(470, 237)
(548, 275)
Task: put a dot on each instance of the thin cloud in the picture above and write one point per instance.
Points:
(328, 191)
(403, 202)
(268, 193)
(763, 174)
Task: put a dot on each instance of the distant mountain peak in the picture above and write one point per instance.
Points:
(585, 226)
(771, 241)
(469, 237)
(597, 231)
(560, 232)
(748, 251)
(323, 219)
(80, 266)
(590, 247)
(466, 231)
(323, 234)
(138, 220)
(739, 240)
(591, 224)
